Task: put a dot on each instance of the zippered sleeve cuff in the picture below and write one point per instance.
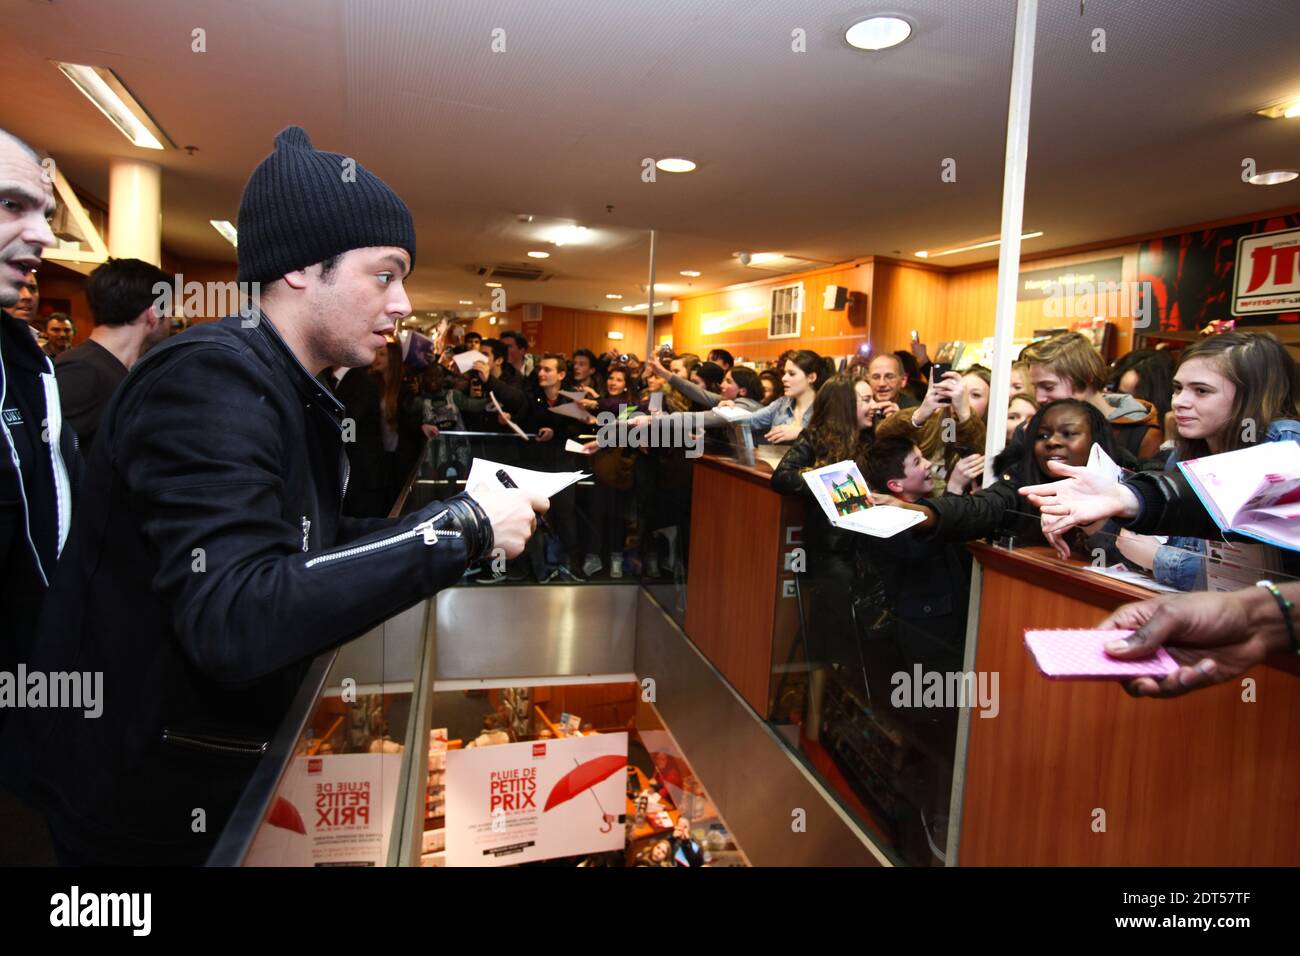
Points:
(474, 525)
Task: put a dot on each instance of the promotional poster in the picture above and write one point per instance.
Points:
(536, 800)
(332, 810)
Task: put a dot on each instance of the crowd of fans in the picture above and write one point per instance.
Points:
(872, 607)
(918, 439)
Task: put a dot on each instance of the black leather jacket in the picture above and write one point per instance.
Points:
(208, 563)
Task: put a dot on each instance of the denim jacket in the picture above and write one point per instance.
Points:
(780, 412)
(1180, 562)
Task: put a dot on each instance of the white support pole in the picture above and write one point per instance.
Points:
(650, 304)
(1013, 207)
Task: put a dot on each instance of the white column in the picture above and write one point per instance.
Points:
(650, 311)
(1013, 207)
(135, 210)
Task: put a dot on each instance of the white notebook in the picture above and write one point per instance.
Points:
(1254, 491)
(841, 491)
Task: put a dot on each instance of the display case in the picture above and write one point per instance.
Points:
(460, 695)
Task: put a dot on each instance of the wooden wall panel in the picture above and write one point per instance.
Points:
(731, 600)
(972, 300)
(565, 330)
(972, 304)
(827, 332)
(607, 707)
(1203, 780)
(59, 282)
(906, 297)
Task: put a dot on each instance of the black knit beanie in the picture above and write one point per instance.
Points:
(302, 206)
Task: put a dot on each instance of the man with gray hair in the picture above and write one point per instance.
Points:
(38, 457)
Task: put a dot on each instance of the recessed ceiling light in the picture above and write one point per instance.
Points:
(675, 165)
(758, 258)
(465, 302)
(493, 285)
(1273, 177)
(111, 97)
(878, 33)
(564, 235)
(690, 272)
(227, 230)
(539, 255)
(612, 295)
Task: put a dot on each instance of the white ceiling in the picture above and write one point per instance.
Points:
(828, 155)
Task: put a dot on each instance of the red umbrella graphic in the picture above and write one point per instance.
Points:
(582, 777)
(285, 814)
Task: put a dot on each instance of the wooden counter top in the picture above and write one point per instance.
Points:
(1076, 772)
(760, 471)
(1039, 565)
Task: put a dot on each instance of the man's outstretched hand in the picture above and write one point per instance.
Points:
(1213, 637)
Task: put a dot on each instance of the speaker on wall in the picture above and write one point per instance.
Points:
(835, 298)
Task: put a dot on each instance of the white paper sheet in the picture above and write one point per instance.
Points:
(518, 431)
(732, 413)
(576, 447)
(880, 521)
(570, 410)
(546, 483)
(465, 361)
(1103, 464)
(1122, 573)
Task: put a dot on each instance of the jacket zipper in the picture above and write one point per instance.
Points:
(18, 477)
(201, 743)
(424, 530)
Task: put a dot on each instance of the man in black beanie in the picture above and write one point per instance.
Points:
(209, 561)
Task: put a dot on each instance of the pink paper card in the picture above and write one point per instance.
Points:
(1081, 655)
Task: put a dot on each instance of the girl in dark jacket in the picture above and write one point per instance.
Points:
(1063, 430)
(837, 431)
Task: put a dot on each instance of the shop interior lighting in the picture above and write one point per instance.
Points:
(111, 97)
(967, 247)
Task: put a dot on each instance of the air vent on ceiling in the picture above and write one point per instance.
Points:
(520, 271)
(785, 264)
